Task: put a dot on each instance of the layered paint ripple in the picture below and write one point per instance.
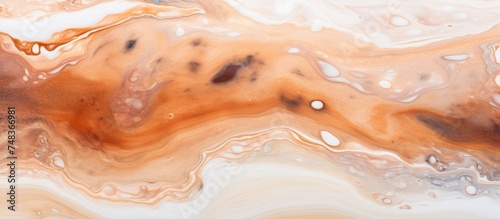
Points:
(250, 109)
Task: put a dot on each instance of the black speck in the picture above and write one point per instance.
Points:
(249, 60)
(227, 73)
(130, 45)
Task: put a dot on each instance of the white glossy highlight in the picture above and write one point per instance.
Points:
(458, 57)
(432, 160)
(317, 104)
(328, 69)
(36, 48)
(293, 50)
(399, 21)
(385, 84)
(471, 190)
(329, 138)
(180, 31)
(58, 161)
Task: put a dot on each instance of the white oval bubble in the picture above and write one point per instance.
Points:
(328, 69)
(317, 104)
(329, 138)
(399, 21)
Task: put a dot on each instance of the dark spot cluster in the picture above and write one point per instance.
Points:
(462, 129)
(230, 71)
(227, 73)
(248, 60)
(130, 45)
(438, 126)
(291, 101)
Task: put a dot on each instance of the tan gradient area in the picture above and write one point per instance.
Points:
(184, 99)
(138, 94)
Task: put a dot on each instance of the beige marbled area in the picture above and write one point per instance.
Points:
(133, 113)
